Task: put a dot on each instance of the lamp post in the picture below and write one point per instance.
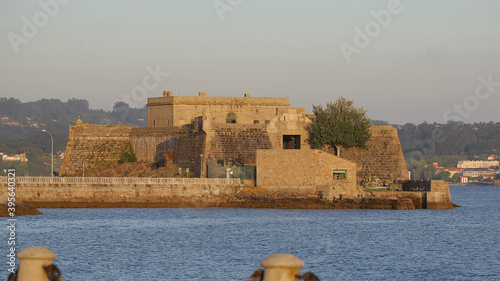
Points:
(51, 153)
(201, 166)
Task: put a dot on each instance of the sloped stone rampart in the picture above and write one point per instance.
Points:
(383, 158)
(93, 146)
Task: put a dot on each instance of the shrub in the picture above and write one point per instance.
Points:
(128, 156)
(372, 181)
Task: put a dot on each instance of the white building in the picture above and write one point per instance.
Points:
(476, 164)
(464, 179)
(476, 172)
(18, 157)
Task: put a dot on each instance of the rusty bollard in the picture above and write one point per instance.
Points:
(31, 263)
(282, 267)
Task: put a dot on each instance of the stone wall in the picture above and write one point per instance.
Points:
(292, 121)
(236, 143)
(294, 169)
(190, 145)
(151, 144)
(182, 110)
(121, 195)
(94, 146)
(439, 197)
(383, 158)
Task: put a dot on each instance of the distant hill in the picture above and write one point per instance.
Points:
(21, 126)
(446, 144)
(453, 138)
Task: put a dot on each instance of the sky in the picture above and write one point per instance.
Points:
(403, 61)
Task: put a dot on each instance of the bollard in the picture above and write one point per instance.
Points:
(31, 263)
(282, 267)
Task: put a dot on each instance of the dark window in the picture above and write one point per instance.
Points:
(154, 123)
(220, 163)
(339, 174)
(291, 141)
(231, 118)
(256, 121)
(268, 121)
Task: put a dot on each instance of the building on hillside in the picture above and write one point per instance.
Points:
(476, 172)
(476, 164)
(464, 179)
(452, 171)
(18, 157)
(492, 157)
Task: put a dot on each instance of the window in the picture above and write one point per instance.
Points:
(231, 118)
(154, 123)
(256, 121)
(339, 174)
(291, 141)
(268, 121)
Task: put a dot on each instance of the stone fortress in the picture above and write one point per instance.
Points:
(196, 132)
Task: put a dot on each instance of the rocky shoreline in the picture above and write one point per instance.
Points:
(21, 209)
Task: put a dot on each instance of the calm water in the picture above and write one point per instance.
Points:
(228, 244)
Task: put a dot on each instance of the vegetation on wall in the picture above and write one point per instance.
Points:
(339, 124)
(128, 156)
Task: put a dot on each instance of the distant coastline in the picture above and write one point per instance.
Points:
(497, 183)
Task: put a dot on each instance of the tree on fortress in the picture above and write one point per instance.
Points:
(340, 125)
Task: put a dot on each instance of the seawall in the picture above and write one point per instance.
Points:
(108, 192)
(199, 193)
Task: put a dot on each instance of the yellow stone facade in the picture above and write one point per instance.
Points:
(172, 110)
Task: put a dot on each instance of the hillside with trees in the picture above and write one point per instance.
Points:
(446, 144)
(21, 126)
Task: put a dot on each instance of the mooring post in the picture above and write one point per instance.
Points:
(282, 267)
(31, 263)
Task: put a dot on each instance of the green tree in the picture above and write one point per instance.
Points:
(340, 125)
(444, 176)
(428, 172)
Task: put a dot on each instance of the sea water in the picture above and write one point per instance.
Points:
(228, 244)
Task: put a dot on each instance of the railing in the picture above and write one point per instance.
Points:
(416, 185)
(118, 181)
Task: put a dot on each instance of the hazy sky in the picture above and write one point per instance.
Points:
(404, 61)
